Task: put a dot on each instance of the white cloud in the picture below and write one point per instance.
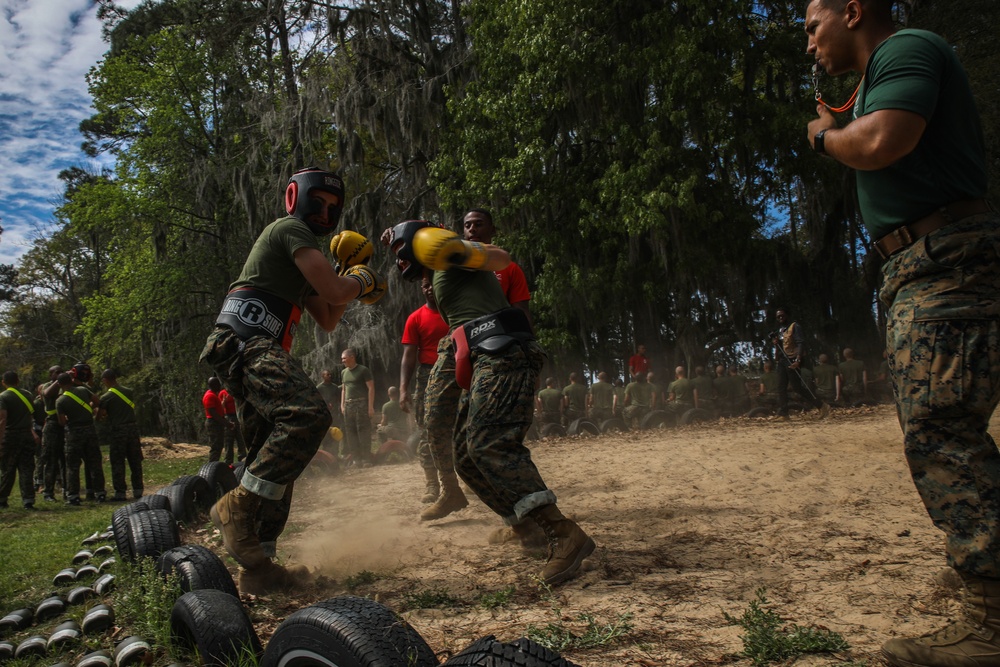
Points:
(47, 47)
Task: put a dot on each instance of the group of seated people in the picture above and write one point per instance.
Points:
(727, 393)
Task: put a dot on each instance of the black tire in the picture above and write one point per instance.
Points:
(155, 502)
(202, 492)
(391, 451)
(582, 427)
(120, 527)
(696, 415)
(656, 419)
(181, 499)
(346, 632)
(220, 478)
(612, 425)
(196, 568)
(488, 652)
(552, 430)
(153, 532)
(532, 433)
(99, 618)
(759, 412)
(17, 620)
(216, 625)
(238, 471)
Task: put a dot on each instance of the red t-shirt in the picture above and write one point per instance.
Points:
(638, 363)
(211, 400)
(228, 403)
(424, 328)
(514, 284)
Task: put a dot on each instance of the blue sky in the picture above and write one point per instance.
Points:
(46, 49)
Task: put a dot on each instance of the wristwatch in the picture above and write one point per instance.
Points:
(819, 142)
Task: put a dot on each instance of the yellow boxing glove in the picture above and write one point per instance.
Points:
(372, 284)
(350, 249)
(441, 249)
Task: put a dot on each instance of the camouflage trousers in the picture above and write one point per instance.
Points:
(125, 447)
(420, 413)
(53, 456)
(17, 458)
(633, 414)
(441, 406)
(493, 418)
(943, 344)
(82, 448)
(357, 429)
(233, 437)
(284, 417)
(216, 429)
(600, 415)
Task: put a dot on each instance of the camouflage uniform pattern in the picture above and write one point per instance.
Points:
(125, 447)
(441, 406)
(943, 341)
(216, 429)
(17, 457)
(232, 436)
(53, 456)
(494, 416)
(419, 412)
(284, 417)
(83, 448)
(358, 429)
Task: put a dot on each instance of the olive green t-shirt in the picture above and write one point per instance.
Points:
(683, 390)
(853, 373)
(76, 414)
(770, 382)
(826, 377)
(917, 71)
(602, 395)
(576, 395)
(18, 414)
(270, 266)
(551, 399)
(394, 415)
(355, 382)
(464, 295)
(705, 386)
(119, 412)
(330, 392)
(639, 394)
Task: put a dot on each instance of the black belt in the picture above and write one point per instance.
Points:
(497, 331)
(252, 312)
(902, 237)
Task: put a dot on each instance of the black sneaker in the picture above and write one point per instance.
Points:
(100, 498)
(119, 496)
(49, 498)
(75, 502)
(30, 506)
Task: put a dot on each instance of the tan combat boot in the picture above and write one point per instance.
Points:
(451, 500)
(272, 578)
(969, 643)
(527, 533)
(568, 544)
(235, 515)
(433, 489)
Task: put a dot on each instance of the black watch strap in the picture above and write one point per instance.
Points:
(819, 142)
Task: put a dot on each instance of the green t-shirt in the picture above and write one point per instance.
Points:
(330, 392)
(270, 266)
(655, 393)
(119, 412)
(683, 390)
(852, 373)
(770, 382)
(464, 295)
(639, 394)
(18, 414)
(602, 395)
(576, 395)
(826, 377)
(736, 386)
(355, 382)
(551, 399)
(705, 386)
(76, 414)
(917, 71)
(394, 415)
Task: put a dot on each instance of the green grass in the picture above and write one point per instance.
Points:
(143, 601)
(362, 578)
(430, 598)
(596, 633)
(497, 599)
(36, 545)
(767, 639)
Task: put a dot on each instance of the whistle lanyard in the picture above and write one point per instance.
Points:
(819, 96)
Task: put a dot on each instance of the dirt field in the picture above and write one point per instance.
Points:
(689, 524)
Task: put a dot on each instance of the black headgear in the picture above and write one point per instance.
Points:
(81, 372)
(401, 242)
(300, 205)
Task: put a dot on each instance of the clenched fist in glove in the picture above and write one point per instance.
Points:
(350, 249)
(372, 285)
(441, 249)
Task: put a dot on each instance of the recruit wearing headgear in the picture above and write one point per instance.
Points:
(400, 240)
(300, 205)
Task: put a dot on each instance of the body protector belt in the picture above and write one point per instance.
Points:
(490, 334)
(252, 312)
